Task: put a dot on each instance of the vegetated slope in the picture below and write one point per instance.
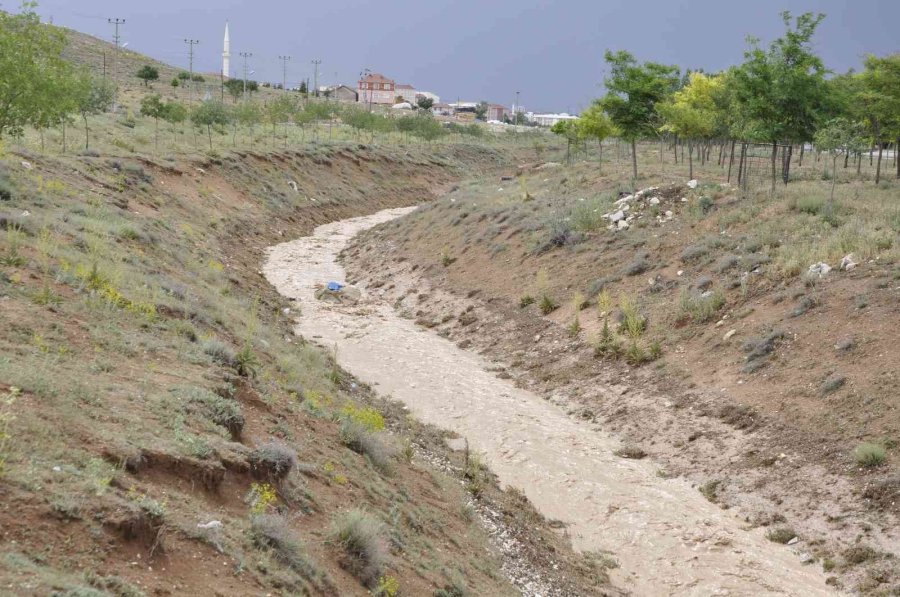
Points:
(773, 387)
(162, 429)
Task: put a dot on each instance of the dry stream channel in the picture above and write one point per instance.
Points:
(667, 538)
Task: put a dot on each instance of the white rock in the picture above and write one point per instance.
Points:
(729, 334)
(623, 225)
(669, 213)
(847, 262)
(680, 272)
(617, 216)
(684, 199)
(212, 524)
(793, 541)
(27, 165)
(692, 184)
(654, 200)
(820, 268)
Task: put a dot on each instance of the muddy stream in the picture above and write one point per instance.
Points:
(667, 538)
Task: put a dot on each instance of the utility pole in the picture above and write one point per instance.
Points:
(516, 114)
(245, 55)
(191, 43)
(284, 61)
(316, 64)
(116, 22)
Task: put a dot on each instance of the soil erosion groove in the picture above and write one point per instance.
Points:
(666, 537)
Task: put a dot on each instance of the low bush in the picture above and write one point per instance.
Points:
(781, 535)
(372, 445)
(869, 455)
(224, 412)
(273, 532)
(547, 305)
(220, 352)
(273, 460)
(701, 307)
(525, 301)
(362, 538)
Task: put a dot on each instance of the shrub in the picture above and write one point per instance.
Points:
(373, 446)
(245, 362)
(637, 266)
(547, 305)
(694, 252)
(859, 554)
(273, 532)
(869, 455)
(220, 352)
(781, 535)
(701, 307)
(361, 537)
(525, 301)
(224, 412)
(366, 416)
(273, 460)
(633, 323)
(631, 452)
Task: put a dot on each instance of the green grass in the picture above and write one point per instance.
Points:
(869, 455)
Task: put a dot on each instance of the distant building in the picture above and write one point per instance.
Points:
(441, 109)
(343, 93)
(376, 89)
(407, 92)
(497, 112)
(548, 119)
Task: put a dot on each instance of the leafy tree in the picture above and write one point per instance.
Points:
(481, 110)
(425, 103)
(571, 131)
(153, 107)
(92, 96)
(147, 74)
(209, 114)
(595, 124)
(692, 112)
(279, 111)
(633, 91)
(303, 88)
(197, 78)
(781, 91)
(184, 75)
(33, 73)
(235, 88)
(839, 136)
(879, 97)
(175, 82)
(174, 113)
(247, 114)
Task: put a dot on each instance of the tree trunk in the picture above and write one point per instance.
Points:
(774, 157)
(209, 134)
(802, 149)
(730, 160)
(742, 176)
(86, 132)
(896, 161)
(690, 160)
(721, 153)
(846, 159)
(634, 158)
(64, 134)
(859, 164)
(878, 166)
(156, 142)
(675, 148)
(600, 163)
(42, 140)
(833, 175)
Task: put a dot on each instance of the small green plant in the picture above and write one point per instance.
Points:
(7, 401)
(361, 537)
(262, 497)
(608, 345)
(526, 301)
(635, 355)
(366, 416)
(547, 305)
(781, 535)
(701, 307)
(655, 350)
(446, 259)
(633, 323)
(245, 361)
(869, 455)
(12, 257)
(575, 327)
(388, 586)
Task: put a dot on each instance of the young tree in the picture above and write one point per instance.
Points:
(425, 103)
(879, 98)
(210, 113)
(147, 74)
(153, 107)
(781, 91)
(692, 112)
(174, 113)
(571, 132)
(839, 136)
(633, 91)
(32, 71)
(92, 96)
(279, 111)
(235, 88)
(481, 110)
(595, 124)
(247, 114)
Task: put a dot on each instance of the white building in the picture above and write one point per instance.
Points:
(548, 119)
(226, 54)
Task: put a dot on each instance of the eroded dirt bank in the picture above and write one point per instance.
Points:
(667, 538)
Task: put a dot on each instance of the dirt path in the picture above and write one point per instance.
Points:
(667, 538)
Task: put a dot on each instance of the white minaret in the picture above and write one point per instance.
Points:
(226, 54)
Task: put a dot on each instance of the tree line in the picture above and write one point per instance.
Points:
(781, 94)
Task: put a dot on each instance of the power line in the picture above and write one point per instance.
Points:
(191, 43)
(316, 64)
(245, 55)
(116, 22)
(284, 61)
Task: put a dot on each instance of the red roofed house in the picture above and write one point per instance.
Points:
(376, 89)
(496, 112)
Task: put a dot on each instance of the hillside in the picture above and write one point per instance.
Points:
(699, 332)
(162, 430)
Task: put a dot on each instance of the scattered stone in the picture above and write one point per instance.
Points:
(833, 383)
(819, 269)
(845, 345)
(692, 184)
(27, 165)
(632, 452)
(670, 213)
(457, 444)
(793, 541)
(622, 225)
(847, 262)
(654, 200)
(617, 216)
(729, 335)
(293, 185)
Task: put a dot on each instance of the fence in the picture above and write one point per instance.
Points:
(752, 164)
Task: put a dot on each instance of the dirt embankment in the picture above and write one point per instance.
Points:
(765, 419)
(163, 431)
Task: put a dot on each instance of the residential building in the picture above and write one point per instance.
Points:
(407, 92)
(497, 112)
(343, 93)
(548, 119)
(375, 88)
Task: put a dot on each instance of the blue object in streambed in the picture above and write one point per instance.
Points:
(334, 286)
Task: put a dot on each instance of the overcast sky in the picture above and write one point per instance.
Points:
(476, 49)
